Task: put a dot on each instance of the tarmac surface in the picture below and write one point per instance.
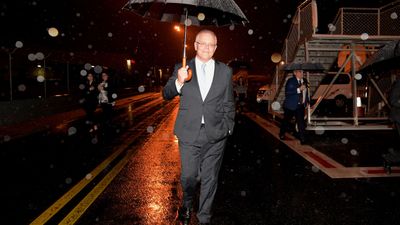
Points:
(132, 176)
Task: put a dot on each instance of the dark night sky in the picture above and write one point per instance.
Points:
(101, 30)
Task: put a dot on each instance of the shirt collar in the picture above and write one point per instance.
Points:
(199, 63)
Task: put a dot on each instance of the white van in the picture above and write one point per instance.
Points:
(265, 93)
(340, 91)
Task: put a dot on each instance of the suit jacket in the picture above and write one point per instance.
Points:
(218, 107)
(291, 95)
(395, 102)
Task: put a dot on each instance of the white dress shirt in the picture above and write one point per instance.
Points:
(204, 80)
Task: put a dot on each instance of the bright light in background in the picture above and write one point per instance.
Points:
(358, 102)
(177, 28)
(276, 57)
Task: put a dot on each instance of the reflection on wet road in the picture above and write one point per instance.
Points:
(147, 190)
(262, 181)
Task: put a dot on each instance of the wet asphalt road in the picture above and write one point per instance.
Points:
(261, 180)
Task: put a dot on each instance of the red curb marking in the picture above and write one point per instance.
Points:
(320, 160)
(378, 171)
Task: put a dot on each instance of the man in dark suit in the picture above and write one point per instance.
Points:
(296, 99)
(204, 121)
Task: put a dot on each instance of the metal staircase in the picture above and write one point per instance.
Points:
(370, 28)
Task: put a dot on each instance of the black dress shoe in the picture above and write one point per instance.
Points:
(184, 215)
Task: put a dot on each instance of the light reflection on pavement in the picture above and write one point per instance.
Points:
(144, 193)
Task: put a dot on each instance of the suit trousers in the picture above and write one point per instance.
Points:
(298, 113)
(201, 159)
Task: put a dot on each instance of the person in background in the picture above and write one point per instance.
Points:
(90, 101)
(205, 119)
(296, 99)
(106, 99)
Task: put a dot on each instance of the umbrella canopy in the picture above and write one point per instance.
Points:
(307, 66)
(311, 66)
(292, 67)
(388, 52)
(189, 12)
(199, 12)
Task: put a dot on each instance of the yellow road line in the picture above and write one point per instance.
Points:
(88, 200)
(61, 202)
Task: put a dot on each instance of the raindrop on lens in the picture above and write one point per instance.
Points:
(88, 176)
(393, 15)
(21, 87)
(40, 78)
(188, 22)
(243, 193)
(331, 27)
(364, 36)
(150, 129)
(19, 44)
(232, 27)
(353, 152)
(95, 141)
(71, 131)
(83, 73)
(53, 32)
(68, 180)
(87, 66)
(141, 88)
(114, 96)
(39, 56)
(319, 130)
(109, 34)
(345, 140)
(250, 32)
(358, 76)
(276, 106)
(90, 46)
(314, 169)
(98, 69)
(32, 57)
(201, 16)
(81, 86)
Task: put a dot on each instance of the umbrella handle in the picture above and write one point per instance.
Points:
(184, 48)
(190, 73)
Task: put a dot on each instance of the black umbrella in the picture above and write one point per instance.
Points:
(312, 66)
(307, 66)
(189, 12)
(387, 53)
(292, 66)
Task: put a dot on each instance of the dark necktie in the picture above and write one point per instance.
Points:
(301, 93)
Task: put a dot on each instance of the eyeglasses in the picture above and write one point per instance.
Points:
(204, 45)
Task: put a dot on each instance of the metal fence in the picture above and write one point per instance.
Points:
(372, 21)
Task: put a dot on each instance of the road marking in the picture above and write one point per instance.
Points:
(85, 203)
(67, 197)
(323, 162)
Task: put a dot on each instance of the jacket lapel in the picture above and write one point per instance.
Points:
(195, 84)
(214, 81)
